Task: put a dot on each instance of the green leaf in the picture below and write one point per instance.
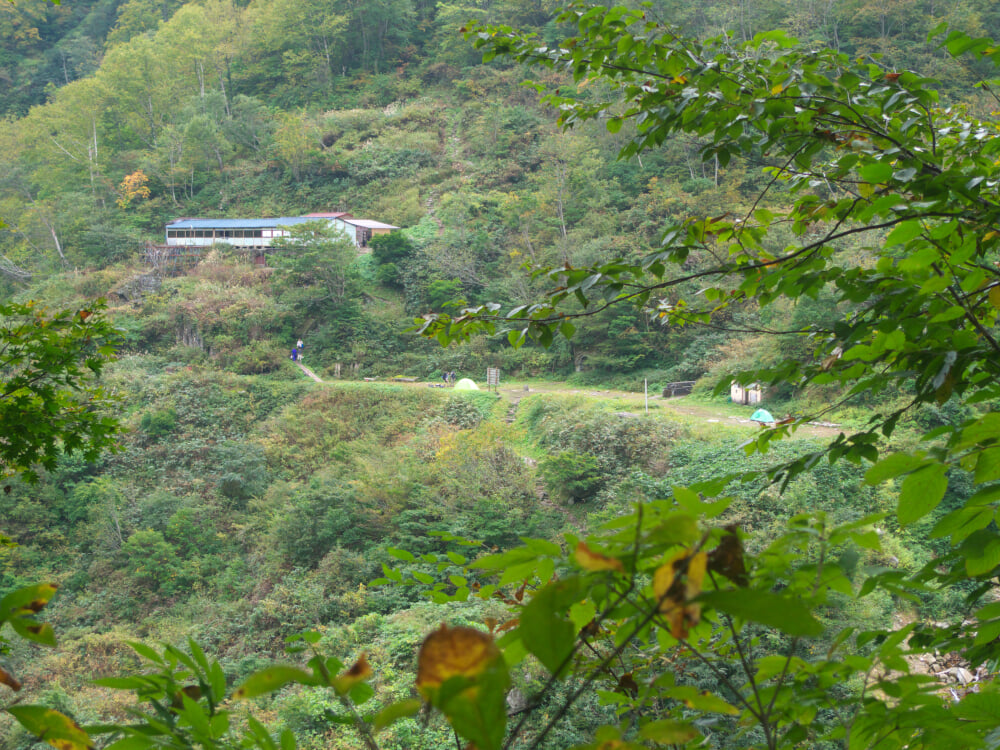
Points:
(921, 492)
(988, 466)
(394, 712)
(985, 428)
(700, 700)
(146, 652)
(669, 732)
(217, 682)
(544, 629)
(988, 612)
(706, 701)
(892, 466)
(135, 742)
(271, 679)
(981, 552)
(196, 716)
(27, 600)
(55, 728)
(877, 172)
(785, 613)
(476, 707)
(33, 631)
(985, 496)
(983, 706)
(677, 528)
(218, 725)
(400, 554)
(962, 522)
(361, 693)
(687, 498)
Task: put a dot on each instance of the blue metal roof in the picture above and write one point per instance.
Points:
(281, 221)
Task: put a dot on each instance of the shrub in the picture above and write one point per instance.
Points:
(388, 275)
(572, 476)
(466, 411)
(152, 562)
(242, 470)
(158, 424)
(440, 292)
(257, 357)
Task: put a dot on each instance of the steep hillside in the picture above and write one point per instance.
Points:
(243, 509)
(282, 108)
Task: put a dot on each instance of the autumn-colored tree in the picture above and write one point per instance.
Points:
(134, 187)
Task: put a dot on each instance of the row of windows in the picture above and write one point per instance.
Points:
(221, 234)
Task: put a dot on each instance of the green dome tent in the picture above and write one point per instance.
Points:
(761, 415)
(465, 384)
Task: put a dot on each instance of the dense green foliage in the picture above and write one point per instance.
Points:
(48, 397)
(592, 594)
(282, 509)
(386, 111)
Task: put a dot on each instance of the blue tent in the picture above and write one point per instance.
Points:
(761, 415)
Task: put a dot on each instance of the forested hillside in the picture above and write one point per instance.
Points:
(281, 108)
(248, 509)
(243, 510)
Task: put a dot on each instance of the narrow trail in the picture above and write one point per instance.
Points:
(307, 371)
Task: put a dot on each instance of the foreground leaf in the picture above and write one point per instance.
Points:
(271, 679)
(55, 728)
(783, 613)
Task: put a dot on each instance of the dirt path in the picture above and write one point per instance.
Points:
(678, 405)
(634, 403)
(308, 372)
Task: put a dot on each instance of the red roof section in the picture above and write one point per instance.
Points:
(328, 215)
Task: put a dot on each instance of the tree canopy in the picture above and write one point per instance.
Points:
(49, 400)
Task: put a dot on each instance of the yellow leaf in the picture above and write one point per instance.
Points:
(593, 561)
(53, 727)
(675, 583)
(359, 672)
(696, 573)
(663, 578)
(995, 296)
(453, 652)
(777, 89)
